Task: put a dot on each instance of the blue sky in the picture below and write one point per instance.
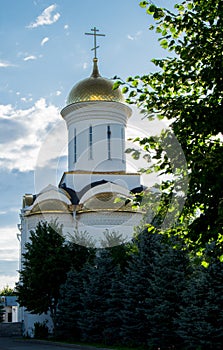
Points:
(43, 53)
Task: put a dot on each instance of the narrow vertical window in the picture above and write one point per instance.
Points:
(75, 146)
(123, 144)
(109, 141)
(90, 143)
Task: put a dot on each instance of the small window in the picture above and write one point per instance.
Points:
(75, 146)
(109, 141)
(9, 317)
(90, 142)
(123, 144)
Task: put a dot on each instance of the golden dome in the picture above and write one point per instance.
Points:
(107, 201)
(50, 205)
(94, 88)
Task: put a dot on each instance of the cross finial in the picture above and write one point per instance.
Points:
(95, 30)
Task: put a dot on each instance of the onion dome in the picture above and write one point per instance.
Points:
(94, 88)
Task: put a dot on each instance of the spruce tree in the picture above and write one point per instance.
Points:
(96, 289)
(200, 322)
(168, 276)
(136, 285)
(114, 301)
(69, 307)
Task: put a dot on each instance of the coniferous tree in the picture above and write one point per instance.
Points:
(113, 319)
(69, 307)
(168, 277)
(68, 310)
(136, 285)
(96, 288)
(200, 321)
(191, 324)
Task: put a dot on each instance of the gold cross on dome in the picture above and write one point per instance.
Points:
(95, 30)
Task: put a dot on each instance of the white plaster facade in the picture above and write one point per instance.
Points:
(10, 309)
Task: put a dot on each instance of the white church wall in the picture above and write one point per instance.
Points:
(78, 181)
(96, 147)
(96, 224)
(66, 220)
(30, 223)
(108, 121)
(29, 321)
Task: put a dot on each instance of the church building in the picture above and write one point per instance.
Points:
(93, 197)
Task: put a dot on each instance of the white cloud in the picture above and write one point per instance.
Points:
(9, 243)
(29, 58)
(66, 28)
(135, 36)
(46, 18)
(4, 64)
(23, 131)
(44, 41)
(25, 99)
(130, 37)
(58, 93)
(8, 280)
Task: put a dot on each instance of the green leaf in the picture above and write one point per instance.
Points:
(179, 7)
(151, 9)
(125, 89)
(143, 4)
(117, 200)
(135, 83)
(164, 43)
(158, 30)
(205, 264)
(158, 13)
(117, 84)
(190, 6)
(132, 94)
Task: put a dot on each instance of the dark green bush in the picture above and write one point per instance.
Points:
(41, 330)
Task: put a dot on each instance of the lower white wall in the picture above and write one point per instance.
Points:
(29, 320)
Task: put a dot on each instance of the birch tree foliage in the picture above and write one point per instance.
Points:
(187, 90)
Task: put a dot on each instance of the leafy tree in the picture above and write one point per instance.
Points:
(187, 89)
(45, 264)
(7, 291)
